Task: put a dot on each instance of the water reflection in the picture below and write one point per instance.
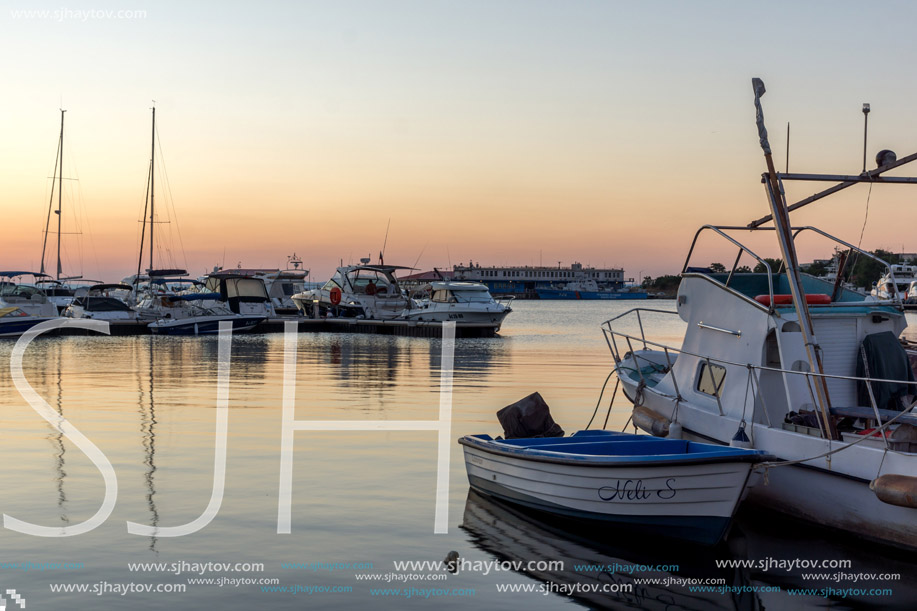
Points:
(57, 439)
(512, 534)
(147, 411)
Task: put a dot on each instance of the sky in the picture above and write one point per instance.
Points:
(499, 131)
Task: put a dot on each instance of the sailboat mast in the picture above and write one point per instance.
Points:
(152, 183)
(60, 189)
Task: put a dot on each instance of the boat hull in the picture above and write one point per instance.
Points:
(693, 502)
(833, 493)
(15, 327)
(203, 325)
(431, 315)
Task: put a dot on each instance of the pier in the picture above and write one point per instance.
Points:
(402, 328)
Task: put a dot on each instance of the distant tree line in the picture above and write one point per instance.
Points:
(859, 270)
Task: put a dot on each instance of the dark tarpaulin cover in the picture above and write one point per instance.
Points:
(528, 417)
(887, 360)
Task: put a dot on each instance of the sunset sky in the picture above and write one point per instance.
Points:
(507, 132)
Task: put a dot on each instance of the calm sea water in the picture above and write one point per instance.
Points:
(361, 500)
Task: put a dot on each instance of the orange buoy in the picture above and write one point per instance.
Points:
(335, 296)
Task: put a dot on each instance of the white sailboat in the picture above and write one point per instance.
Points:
(770, 360)
(174, 304)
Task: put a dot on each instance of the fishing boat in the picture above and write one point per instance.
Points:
(670, 487)
(586, 289)
(468, 302)
(357, 291)
(788, 363)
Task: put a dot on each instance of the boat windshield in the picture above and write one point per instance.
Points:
(22, 291)
(473, 296)
(461, 296)
(247, 289)
(370, 282)
(12, 312)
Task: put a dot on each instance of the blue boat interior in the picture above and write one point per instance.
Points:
(611, 447)
(752, 285)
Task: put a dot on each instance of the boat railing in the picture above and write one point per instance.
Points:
(613, 338)
(721, 231)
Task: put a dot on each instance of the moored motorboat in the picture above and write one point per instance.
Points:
(357, 291)
(15, 321)
(26, 296)
(468, 302)
(896, 282)
(203, 324)
(671, 487)
(102, 302)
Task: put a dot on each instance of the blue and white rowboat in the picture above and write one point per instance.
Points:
(671, 487)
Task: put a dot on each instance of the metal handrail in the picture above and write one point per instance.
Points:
(622, 335)
(753, 371)
(742, 248)
(721, 229)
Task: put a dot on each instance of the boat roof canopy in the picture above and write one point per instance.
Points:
(379, 268)
(108, 287)
(196, 297)
(164, 280)
(14, 274)
(166, 272)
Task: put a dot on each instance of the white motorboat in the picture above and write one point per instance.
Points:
(203, 322)
(284, 283)
(16, 321)
(468, 302)
(357, 291)
(177, 305)
(281, 284)
(896, 282)
(912, 293)
(28, 297)
(246, 295)
(788, 363)
(102, 302)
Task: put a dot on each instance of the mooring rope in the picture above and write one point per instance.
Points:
(783, 463)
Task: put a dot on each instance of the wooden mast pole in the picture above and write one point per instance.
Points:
(788, 249)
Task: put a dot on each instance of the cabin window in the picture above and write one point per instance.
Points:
(710, 380)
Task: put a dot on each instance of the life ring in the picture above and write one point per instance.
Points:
(370, 289)
(811, 299)
(335, 296)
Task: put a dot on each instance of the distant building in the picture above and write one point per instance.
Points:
(523, 280)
